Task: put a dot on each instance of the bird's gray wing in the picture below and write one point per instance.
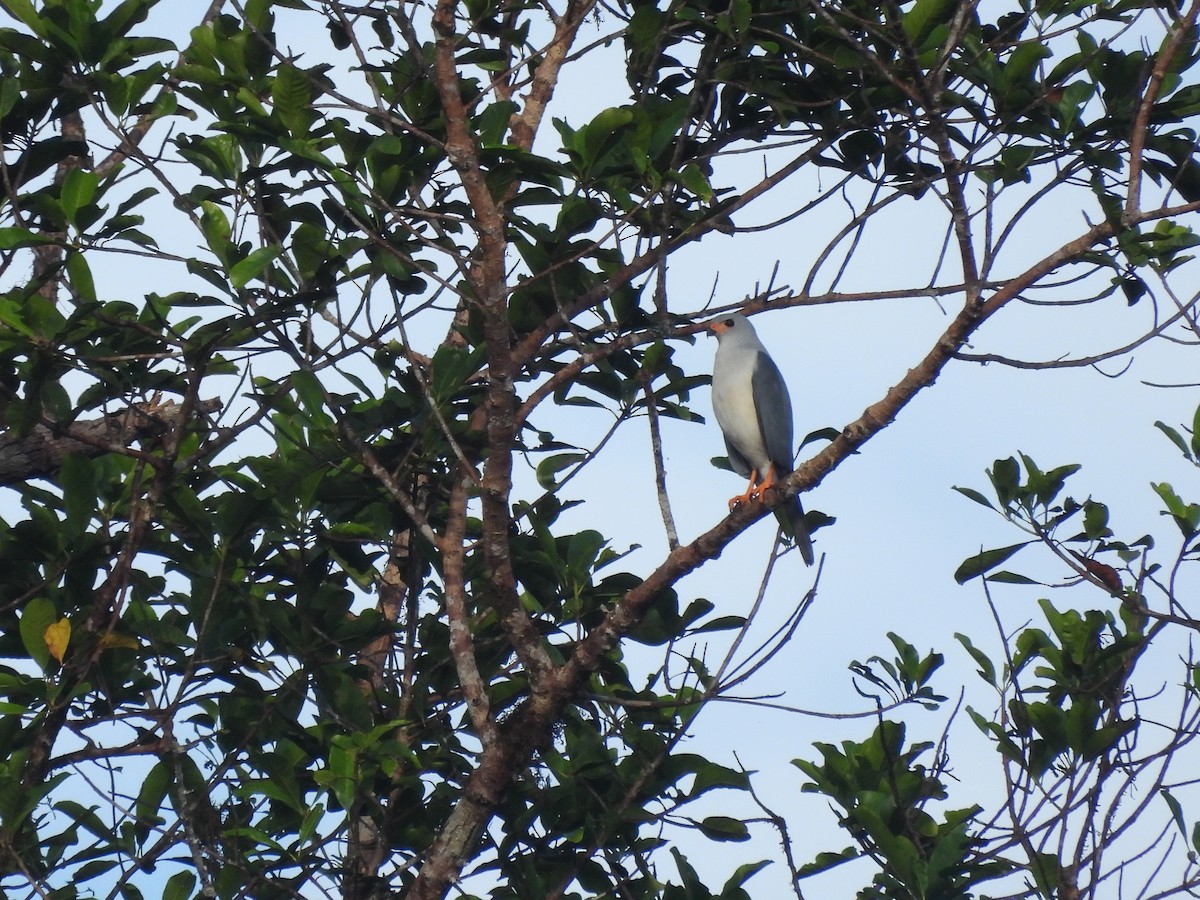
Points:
(739, 463)
(774, 409)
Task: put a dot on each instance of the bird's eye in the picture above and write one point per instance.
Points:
(729, 323)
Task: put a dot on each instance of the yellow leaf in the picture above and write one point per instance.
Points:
(57, 636)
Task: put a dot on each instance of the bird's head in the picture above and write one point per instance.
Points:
(731, 325)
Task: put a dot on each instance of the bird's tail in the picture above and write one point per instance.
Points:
(792, 519)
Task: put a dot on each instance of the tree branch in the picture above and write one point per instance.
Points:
(462, 643)
(545, 77)
(1181, 33)
(487, 278)
(660, 471)
(41, 452)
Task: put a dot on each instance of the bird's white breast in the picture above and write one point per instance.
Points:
(733, 403)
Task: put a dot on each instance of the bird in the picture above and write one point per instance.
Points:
(750, 400)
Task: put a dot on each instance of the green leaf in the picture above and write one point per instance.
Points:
(828, 860)
(1133, 287)
(1044, 869)
(1005, 476)
(924, 16)
(78, 478)
(552, 465)
(20, 804)
(311, 393)
(692, 884)
(492, 123)
(93, 869)
(987, 669)
(742, 874)
(1004, 744)
(77, 190)
(1176, 810)
(180, 886)
(984, 562)
(1099, 741)
(694, 179)
(80, 275)
(253, 265)
(339, 35)
(154, 791)
(1186, 515)
(975, 495)
(724, 828)
(291, 94)
(341, 776)
(1095, 520)
(38, 615)
(452, 366)
(710, 775)
(16, 238)
(25, 13)
(1046, 485)
(720, 623)
(597, 140)
(1010, 578)
(216, 229)
(290, 89)
(582, 551)
(85, 817)
(1022, 63)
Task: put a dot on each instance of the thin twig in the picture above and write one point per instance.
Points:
(660, 471)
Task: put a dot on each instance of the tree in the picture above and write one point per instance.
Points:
(335, 625)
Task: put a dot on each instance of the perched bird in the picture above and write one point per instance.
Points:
(750, 400)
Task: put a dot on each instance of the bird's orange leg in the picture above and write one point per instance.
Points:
(751, 492)
(767, 482)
